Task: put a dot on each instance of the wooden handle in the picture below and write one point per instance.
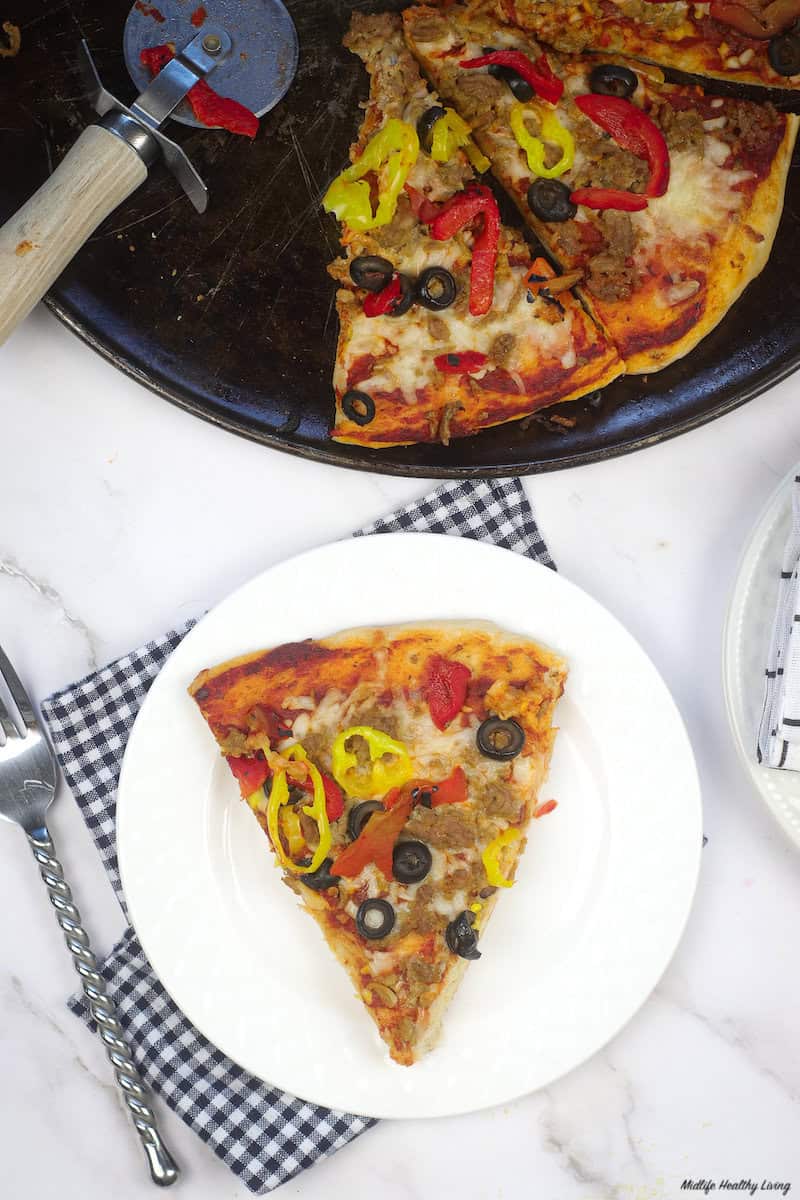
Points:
(99, 172)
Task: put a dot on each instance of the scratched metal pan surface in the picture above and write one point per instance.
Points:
(230, 314)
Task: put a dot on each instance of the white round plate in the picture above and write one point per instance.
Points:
(746, 638)
(603, 891)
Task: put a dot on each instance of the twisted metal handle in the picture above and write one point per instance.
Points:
(163, 1168)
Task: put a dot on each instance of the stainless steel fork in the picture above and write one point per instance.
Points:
(27, 787)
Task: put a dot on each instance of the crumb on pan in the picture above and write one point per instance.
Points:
(14, 40)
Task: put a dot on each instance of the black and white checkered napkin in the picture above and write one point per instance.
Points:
(264, 1135)
(779, 729)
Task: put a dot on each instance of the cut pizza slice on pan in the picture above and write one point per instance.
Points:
(446, 325)
(743, 41)
(662, 201)
(396, 773)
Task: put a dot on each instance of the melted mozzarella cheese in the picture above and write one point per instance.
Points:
(410, 348)
(329, 710)
(305, 702)
(451, 907)
(381, 962)
(700, 197)
(439, 865)
(301, 726)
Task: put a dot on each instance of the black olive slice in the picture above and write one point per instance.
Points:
(461, 938)
(371, 272)
(425, 126)
(406, 298)
(374, 919)
(411, 861)
(520, 87)
(549, 200)
(611, 79)
(783, 52)
(320, 879)
(436, 288)
(424, 796)
(358, 407)
(500, 739)
(359, 815)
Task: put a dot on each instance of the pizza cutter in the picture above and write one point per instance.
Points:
(252, 50)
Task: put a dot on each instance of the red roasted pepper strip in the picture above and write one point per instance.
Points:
(466, 362)
(445, 683)
(484, 260)
(209, 107)
(393, 795)
(452, 790)
(423, 208)
(460, 210)
(334, 797)
(215, 110)
(633, 130)
(542, 810)
(155, 58)
(538, 74)
(250, 773)
(609, 198)
(379, 303)
(376, 841)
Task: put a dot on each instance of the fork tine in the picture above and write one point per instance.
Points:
(6, 724)
(18, 695)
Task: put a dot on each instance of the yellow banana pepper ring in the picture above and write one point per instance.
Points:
(292, 832)
(316, 810)
(491, 857)
(382, 776)
(451, 132)
(476, 156)
(448, 133)
(552, 131)
(391, 154)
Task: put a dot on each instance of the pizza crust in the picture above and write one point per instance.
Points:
(736, 262)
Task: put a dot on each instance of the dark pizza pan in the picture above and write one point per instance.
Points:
(230, 314)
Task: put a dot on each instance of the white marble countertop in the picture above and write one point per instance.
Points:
(122, 515)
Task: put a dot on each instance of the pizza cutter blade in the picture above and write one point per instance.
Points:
(259, 67)
(251, 48)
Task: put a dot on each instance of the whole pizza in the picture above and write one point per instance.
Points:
(647, 206)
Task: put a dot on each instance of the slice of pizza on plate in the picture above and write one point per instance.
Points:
(395, 772)
(744, 41)
(441, 333)
(661, 201)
